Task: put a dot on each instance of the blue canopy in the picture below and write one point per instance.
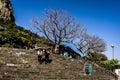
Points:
(73, 47)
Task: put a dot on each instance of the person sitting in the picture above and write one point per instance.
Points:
(46, 56)
(40, 54)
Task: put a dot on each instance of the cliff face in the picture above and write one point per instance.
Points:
(6, 11)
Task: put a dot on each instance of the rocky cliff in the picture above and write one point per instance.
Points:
(6, 11)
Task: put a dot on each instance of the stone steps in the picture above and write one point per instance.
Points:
(26, 67)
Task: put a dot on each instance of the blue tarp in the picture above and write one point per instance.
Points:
(73, 47)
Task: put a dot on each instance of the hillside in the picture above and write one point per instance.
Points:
(17, 37)
(14, 36)
(20, 64)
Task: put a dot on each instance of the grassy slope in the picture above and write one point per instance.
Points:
(18, 37)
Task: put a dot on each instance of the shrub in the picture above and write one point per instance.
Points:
(110, 64)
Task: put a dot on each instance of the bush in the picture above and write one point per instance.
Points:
(110, 64)
(7, 45)
(17, 37)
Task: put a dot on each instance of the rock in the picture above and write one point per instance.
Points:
(9, 64)
(19, 53)
(1, 28)
(6, 11)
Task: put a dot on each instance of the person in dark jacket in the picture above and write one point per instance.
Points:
(46, 56)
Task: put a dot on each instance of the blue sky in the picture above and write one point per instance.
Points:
(99, 17)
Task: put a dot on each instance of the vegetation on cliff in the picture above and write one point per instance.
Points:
(17, 37)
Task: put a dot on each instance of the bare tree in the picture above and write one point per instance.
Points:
(90, 44)
(58, 26)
